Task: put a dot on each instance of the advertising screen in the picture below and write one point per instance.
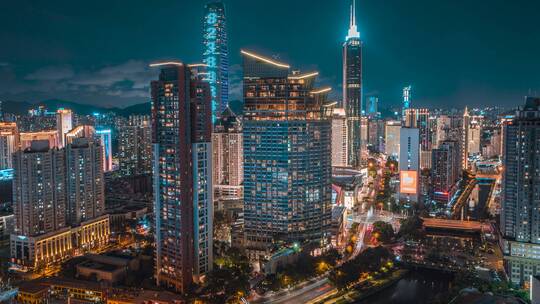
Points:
(408, 182)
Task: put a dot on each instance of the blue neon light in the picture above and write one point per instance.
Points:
(210, 58)
(6, 174)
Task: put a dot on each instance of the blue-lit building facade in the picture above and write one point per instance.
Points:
(216, 56)
(406, 103)
(372, 106)
(104, 135)
(181, 136)
(287, 158)
(352, 89)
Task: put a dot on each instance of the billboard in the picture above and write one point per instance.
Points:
(408, 182)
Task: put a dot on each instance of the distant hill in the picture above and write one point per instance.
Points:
(137, 109)
(15, 107)
(18, 108)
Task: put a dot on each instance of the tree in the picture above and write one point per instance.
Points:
(370, 260)
(229, 281)
(412, 228)
(383, 231)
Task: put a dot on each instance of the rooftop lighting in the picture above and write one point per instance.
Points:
(281, 65)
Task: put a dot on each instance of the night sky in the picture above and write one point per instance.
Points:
(453, 52)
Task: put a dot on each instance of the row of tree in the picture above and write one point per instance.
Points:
(369, 261)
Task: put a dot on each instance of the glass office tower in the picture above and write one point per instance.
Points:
(287, 157)
(352, 88)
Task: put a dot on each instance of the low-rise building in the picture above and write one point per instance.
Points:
(33, 293)
(37, 252)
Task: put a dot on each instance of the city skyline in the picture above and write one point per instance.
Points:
(269, 159)
(36, 64)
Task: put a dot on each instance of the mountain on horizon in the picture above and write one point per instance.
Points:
(22, 107)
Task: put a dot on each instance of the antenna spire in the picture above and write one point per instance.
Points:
(353, 31)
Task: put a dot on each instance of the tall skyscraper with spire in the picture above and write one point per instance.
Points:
(216, 56)
(352, 88)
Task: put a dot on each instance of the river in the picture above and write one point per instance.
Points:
(418, 286)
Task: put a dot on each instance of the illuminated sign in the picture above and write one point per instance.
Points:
(210, 58)
(408, 182)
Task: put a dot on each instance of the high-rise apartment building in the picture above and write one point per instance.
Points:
(58, 200)
(228, 159)
(391, 138)
(51, 136)
(216, 56)
(201, 141)
(135, 146)
(64, 124)
(376, 129)
(445, 171)
(84, 180)
(339, 138)
(474, 146)
(181, 128)
(287, 157)
(520, 217)
(420, 119)
(352, 88)
(364, 138)
(39, 189)
(9, 143)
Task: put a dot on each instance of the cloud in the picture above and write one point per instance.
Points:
(51, 73)
(128, 82)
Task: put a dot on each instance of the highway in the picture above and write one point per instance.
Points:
(301, 295)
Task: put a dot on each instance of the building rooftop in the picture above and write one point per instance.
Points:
(32, 287)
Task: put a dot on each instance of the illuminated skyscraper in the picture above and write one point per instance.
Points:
(446, 161)
(352, 88)
(372, 106)
(287, 157)
(339, 138)
(84, 180)
(216, 56)
(181, 128)
(419, 118)
(409, 164)
(465, 139)
(9, 143)
(364, 137)
(475, 136)
(64, 124)
(201, 147)
(227, 146)
(105, 138)
(391, 138)
(52, 136)
(135, 146)
(520, 219)
(406, 104)
(39, 189)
